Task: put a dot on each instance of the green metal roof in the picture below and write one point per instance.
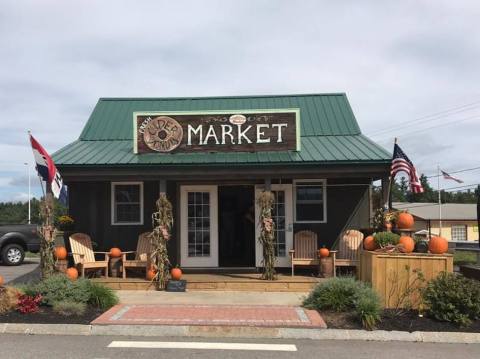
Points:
(329, 131)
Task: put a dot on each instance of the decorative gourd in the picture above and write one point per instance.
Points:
(438, 245)
(115, 252)
(151, 273)
(405, 220)
(72, 273)
(369, 243)
(176, 273)
(60, 253)
(1, 280)
(407, 243)
(421, 247)
(324, 252)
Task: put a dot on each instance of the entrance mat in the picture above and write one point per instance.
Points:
(214, 315)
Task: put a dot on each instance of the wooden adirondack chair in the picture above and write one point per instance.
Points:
(84, 256)
(305, 249)
(141, 254)
(348, 253)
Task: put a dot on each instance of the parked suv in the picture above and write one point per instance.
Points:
(15, 240)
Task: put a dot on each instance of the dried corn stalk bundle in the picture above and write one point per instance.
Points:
(47, 237)
(267, 234)
(162, 222)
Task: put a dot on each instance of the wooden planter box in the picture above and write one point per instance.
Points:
(391, 275)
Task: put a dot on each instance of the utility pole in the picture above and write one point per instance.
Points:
(29, 194)
(439, 203)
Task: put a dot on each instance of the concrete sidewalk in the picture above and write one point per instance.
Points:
(211, 297)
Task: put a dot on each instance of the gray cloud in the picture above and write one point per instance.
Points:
(395, 60)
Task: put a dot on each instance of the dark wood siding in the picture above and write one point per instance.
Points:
(90, 206)
(348, 207)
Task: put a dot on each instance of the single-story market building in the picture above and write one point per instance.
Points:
(213, 156)
(459, 220)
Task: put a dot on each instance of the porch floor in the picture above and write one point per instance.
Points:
(224, 282)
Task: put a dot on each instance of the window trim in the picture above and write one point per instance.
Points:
(113, 204)
(323, 182)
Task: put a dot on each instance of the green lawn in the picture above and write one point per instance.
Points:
(464, 257)
(31, 255)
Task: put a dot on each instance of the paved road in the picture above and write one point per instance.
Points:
(44, 346)
(25, 272)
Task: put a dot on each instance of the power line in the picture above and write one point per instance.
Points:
(433, 127)
(459, 171)
(428, 118)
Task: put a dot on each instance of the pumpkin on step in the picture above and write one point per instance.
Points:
(60, 253)
(151, 273)
(369, 243)
(324, 252)
(176, 273)
(72, 273)
(437, 245)
(115, 252)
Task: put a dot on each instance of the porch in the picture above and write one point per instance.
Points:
(251, 282)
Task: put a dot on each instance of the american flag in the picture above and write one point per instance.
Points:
(450, 177)
(401, 163)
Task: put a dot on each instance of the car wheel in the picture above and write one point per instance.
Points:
(13, 255)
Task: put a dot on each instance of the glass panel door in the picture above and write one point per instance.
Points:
(283, 218)
(199, 227)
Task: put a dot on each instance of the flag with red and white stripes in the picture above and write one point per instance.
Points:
(401, 163)
(450, 177)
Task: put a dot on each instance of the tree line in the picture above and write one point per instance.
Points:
(17, 212)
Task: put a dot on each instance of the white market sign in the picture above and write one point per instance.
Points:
(228, 131)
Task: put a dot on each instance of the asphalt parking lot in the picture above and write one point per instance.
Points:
(23, 273)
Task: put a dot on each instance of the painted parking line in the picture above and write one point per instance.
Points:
(204, 345)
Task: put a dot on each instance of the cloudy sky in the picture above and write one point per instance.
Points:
(410, 68)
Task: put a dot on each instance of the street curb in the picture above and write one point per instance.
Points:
(240, 332)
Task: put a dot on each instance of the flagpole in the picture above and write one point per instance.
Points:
(390, 183)
(439, 202)
(38, 175)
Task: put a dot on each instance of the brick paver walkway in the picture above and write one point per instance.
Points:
(238, 315)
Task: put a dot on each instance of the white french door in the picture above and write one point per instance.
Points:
(199, 226)
(283, 219)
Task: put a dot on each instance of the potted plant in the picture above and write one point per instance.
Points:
(63, 228)
(388, 218)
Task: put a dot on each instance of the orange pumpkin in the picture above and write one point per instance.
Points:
(438, 245)
(369, 243)
(72, 273)
(405, 220)
(324, 252)
(1, 280)
(151, 273)
(60, 253)
(176, 273)
(115, 252)
(408, 244)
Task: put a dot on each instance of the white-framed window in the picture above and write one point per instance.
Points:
(310, 201)
(459, 232)
(127, 203)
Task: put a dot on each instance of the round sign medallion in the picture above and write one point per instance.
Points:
(163, 134)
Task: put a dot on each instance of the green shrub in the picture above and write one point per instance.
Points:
(336, 294)
(102, 296)
(368, 308)
(453, 298)
(59, 288)
(69, 308)
(347, 294)
(384, 239)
